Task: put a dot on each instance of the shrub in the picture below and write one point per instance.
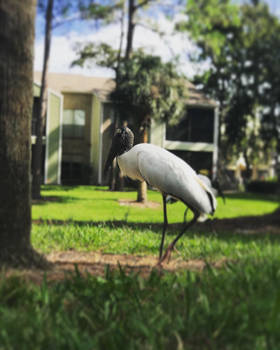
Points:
(263, 187)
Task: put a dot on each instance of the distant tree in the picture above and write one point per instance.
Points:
(148, 89)
(145, 86)
(57, 13)
(236, 41)
(213, 26)
(270, 90)
(16, 86)
(42, 108)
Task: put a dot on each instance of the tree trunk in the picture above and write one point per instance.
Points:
(41, 121)
(142, 186)
(247, 173)
(130, 28)
(277, 162)
(16, 99)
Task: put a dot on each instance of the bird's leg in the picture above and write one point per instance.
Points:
(165, 223)
(185, 214)
(171, 246)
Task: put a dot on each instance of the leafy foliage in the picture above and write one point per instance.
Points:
(210, 22)
(67, 10)
(145, 86)
(148, 87)
(240, 44)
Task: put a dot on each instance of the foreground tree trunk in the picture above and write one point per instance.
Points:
(16, 99)
(41, 121)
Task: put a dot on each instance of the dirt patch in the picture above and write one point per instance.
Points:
(65, 263)
(135, 204)
(96, 263)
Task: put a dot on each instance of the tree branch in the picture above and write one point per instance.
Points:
(146, 2)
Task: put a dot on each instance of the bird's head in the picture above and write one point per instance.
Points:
(121, 143)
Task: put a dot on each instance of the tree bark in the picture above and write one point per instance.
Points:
(16, 99)
(130, 28)
(277, 162)
(41, 121)
(142, 186)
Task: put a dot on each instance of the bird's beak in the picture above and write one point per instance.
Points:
(111, 156)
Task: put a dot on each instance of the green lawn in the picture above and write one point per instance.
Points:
(233, 307)
(96, 221)
(95, 204)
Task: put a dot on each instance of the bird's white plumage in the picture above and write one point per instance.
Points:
(208, 183)
(169, 174)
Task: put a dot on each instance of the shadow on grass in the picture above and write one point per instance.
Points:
(50, 199)
(59, 188)
(254, 196)
(66, 199)
(248, 226)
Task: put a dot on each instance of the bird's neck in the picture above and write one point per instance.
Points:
(124, 147)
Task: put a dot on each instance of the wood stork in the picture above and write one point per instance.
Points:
(166, 172)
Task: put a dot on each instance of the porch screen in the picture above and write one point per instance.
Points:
(197, 125)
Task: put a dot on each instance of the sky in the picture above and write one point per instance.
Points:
(65, 38)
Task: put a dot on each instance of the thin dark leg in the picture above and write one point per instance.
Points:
(185, 215)
(172, 244)
(165, 223)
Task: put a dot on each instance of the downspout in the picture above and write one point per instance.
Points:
(100, 146)
(60, 141)
(215, 151)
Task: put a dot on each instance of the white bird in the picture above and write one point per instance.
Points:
(167, 173)
(213, 186)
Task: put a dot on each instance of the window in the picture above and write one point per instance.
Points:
(74, 123)
(197, 125)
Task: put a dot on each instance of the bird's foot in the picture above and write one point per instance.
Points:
(166, 256)
(177, 251)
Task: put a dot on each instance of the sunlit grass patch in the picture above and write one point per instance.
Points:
(96, 204)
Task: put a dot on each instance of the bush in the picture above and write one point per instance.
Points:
(263, 187)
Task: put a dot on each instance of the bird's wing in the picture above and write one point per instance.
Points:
(205, 180)
(171, 175)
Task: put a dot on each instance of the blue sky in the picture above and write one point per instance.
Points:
(66, 36)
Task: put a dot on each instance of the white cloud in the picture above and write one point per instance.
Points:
(62, 55)
(168, 46)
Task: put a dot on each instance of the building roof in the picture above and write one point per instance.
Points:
(198, 98)
(102, 87)
(78, 83)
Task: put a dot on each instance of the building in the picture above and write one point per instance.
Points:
(79, 128)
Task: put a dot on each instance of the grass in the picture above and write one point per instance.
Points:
(93, 204)
(98, 222)
(233, 307)
(144, 241)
